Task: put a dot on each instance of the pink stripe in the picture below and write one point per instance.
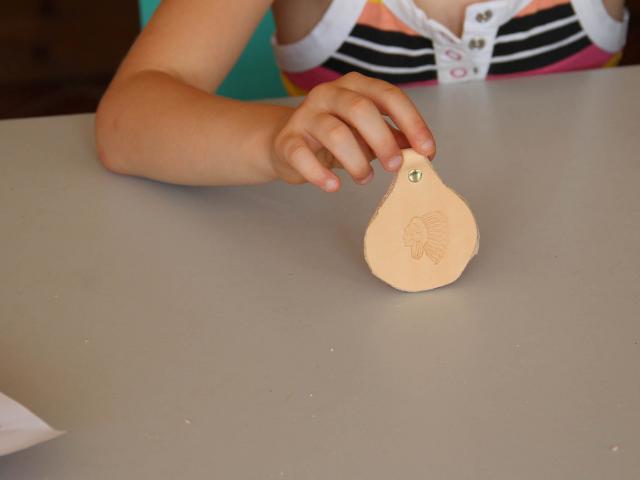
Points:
(310, 78)
(536, 5)
(590, 57)
(419, 84)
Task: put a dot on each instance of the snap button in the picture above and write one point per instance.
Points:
(458, 72)
(476, 43)
(485, 16)
(453, 54)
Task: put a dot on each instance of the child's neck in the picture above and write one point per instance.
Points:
(449, 13)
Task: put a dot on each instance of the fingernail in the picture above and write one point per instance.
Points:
(366, 179)
(331, 185)
(427, 146)
(395, 162)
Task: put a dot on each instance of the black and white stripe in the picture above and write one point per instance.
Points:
(540, 58)
(541, 17)
(536, 37)
(392, 56)
(537, 40)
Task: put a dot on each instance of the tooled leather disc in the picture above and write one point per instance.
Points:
(423, 234)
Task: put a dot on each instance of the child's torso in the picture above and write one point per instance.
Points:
(397, 41)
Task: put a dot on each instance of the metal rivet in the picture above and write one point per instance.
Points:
(484, 16)
(415, 176)
(476, 43)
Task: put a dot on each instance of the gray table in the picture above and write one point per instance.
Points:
(236, 333)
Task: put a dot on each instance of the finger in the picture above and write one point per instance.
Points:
(327, 158)
(337, 138)
(363, 115)
(397, 104)
(366, 149)
(401, 138)
(300, 157)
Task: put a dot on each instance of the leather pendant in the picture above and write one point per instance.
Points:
(423, 234)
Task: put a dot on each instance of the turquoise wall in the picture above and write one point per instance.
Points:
(255, 74)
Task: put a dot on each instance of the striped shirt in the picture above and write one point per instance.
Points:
(395, 41)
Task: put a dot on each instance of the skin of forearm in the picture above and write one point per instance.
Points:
(153, 125)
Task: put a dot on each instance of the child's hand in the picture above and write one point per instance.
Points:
(341, 124)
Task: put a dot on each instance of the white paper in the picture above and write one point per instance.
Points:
(19, 428)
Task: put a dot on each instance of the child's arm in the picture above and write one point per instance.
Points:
(157, 119)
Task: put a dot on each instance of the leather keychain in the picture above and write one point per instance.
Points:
(423, 234)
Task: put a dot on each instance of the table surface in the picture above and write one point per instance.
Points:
(236, 333)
